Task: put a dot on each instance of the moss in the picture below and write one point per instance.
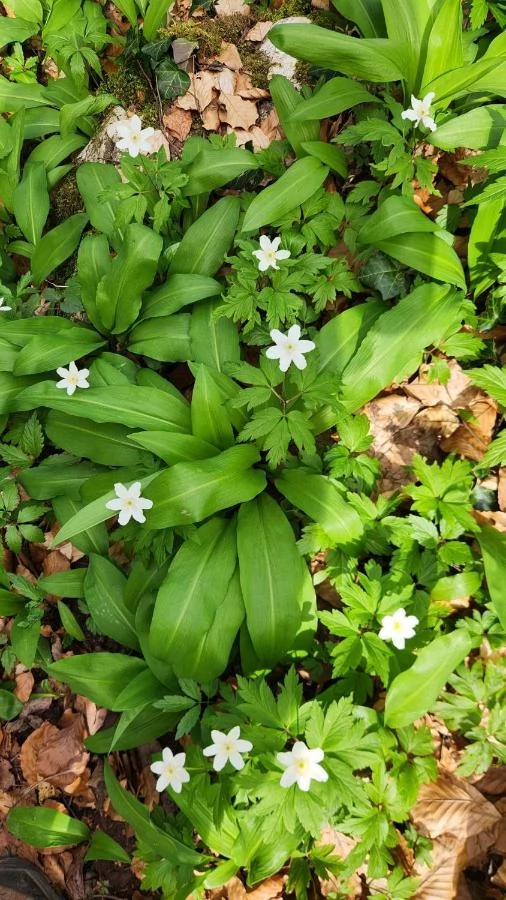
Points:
(209, 33)
(132, 89)
(303, 73)
(65, 199)
(256, 63)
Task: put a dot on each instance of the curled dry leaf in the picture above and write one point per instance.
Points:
(259, 31)
(230, 7)
(56, 754)
(229, 56)
(177, 122)
(237, 112)
(24, 684)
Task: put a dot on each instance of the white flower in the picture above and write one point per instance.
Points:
(171, 771)
(301, 766)
(129, 135)
(288, 348)
(227, 747)
(129, 503)
(269, 253)
(420, 111)
(72, 378)
(398, 628)
(2, 307)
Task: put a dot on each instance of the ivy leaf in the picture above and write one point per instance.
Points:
(384, 275)
(171, 81)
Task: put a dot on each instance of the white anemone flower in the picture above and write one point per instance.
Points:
(398, 628)
(420, 111)
(269, 254)
(72, 378)
(302, 766)
(171, 771)
(288, 348)
(227, 748)
(4, 308)
(129, 503)
(132, 137)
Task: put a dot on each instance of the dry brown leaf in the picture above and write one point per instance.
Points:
(495, 518)
(242, 137)
(94, 716)
(343, 845)
(226, 81)
(441, 880)
(200, 93)
(320, 4)
(232, 890)
(431, 394)
(229, 7)
(178, 122)
(501, 490)
(259, 31)
(211, 118)
(229, 56)
(237, 112)
(270, 889)
(471, 439)
(270, 126)
(492, 782)
(56, 754)
(24, 684)
(245, 89)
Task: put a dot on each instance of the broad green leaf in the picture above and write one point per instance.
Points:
(271, 574)
(56, 246)
(99, 676)
(24, 638)
(93, 263)
(371, 60)
(166, 339)
(10, 603)
(442, 44)
(16, 30)
(155, 17)
(145, 604)
(42, 827)
(119, 294)
(42, 353)
(332, 156)
(413, 693)
(104, 589)
(294, 187)
(493, 547)
(64, 584)
(287, 101)
(31, 201)
(214, 167)
(190, 492)
(339, 338)
(427, 253)
(55, 149)
(93, 179)
(456, 587)
(142, 690)
(31, 10)
(367, 14)
(174, 448)
(491, 379)
(92, 537)
(479, 76)
(210, 421)
(10, 387)
(39, 121)
(332, 98)
(10, 706)
(48, 481)
(176, 292)
(319, 498)
(103, 846)
(105, 443)
(136, 407)
(407, 25)
(199, 607)
(213, 341)
(71, 113)
(133, 729)
(137, 815)
(396, 216)
(393, 341)
(480, 129)
(206, 243)
(69, 622)
(14, 97)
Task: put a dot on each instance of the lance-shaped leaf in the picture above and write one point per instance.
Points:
(45, 352)
(321, 499)
(178, 291)
(119, 294)
(287, 101)
(99, 676)
(297, 184)
(199, 607)
(213, 341)
(100, 443)
(210, 421)
(31, 202)
(272, 581)
(41, 827)
(206, 242)
(104, 591)
(190, 492)
(213, 168)
(333, 98)
(480, 129)
(93, 179)
(56, 246)
(493, 548)
(413, 692)
(427, 253)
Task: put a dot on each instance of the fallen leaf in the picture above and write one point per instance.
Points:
(231, 890)
(229, 7)
(320, 4)
(501, 490)
(56, 755)
(226, 81)
(495, 518)
(237, 112)
(229, 56)
(245, 89)
(211, 117)
(24, 684)
(432, 393)
(200, 93)
(178, 122)
(270, 889)
(259, 31)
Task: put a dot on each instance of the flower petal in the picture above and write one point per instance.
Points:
(299, 360)
(234, 733)
(265, 242)
(212, 750)
(294, 333)
(288, 778)
(319, 774)
(283, 254)
(220, 761)
(236, 760)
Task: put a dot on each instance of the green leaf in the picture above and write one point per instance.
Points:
(332, 98)
(176, 292)
(10, 706)
(493, 546)
(271, 573)
(199, 607)
(295, 186)
(92, 180)
(413, 693)
(426, 253)
(367, 14)
(16, 30)
(42, 827)
(479, 129)
(99, 443)
(446, 32)
(214, 341)
(155, 17)
(190, 492)
(340, 337)
(395, 216)
(370, 60)
(24, 640)
(133, 729)
(491, 379)
(142, 690)
(131, 272)
(166, 339)
(56, 246)
(14, 97)
(55, 149)
(212, 168)
(99, 676)
(322, 500)
(287, 101)
(394, 340)
(171, 81)
(178, 448)
(206, 242)
(70, 113)
(69, 622)
(329, 154)
(104, 590)
(103, 846)
(42, 353)
(134, 406)
(210, 421)
(31, 202)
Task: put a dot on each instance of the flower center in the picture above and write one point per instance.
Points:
(290, 347)
(72, 379)
(398, 626)
(302, 765)
(271, 255)
(170, 770)
(228, 747)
